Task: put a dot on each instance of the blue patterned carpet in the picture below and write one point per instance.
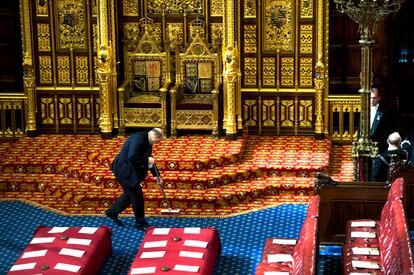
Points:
(242, 236)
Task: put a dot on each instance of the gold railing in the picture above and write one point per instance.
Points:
(344, 113)
(12, 116)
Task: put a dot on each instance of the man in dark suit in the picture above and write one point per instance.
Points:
(380, 121)
(130, 167)
(397, 150)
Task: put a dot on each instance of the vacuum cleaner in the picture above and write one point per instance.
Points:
(169, 210)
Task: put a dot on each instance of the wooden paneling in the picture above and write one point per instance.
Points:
(278, 113)
(346, 201)
(345, 54)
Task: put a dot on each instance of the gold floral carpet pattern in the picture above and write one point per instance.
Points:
(202, 176)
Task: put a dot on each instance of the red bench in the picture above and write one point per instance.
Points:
(65, 250)
(380, 246)
(294, 256)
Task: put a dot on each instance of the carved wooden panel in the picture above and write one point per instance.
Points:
(68, 112)
(278, 32)
(64, 34)
(278, 114)
(346, 201)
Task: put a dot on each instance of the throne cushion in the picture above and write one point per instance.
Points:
(144, 100)
(195, 103)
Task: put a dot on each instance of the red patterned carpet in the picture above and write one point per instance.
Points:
(202, 176)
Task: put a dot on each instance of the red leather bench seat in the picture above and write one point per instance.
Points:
(293, 256)
(391, 252)
(293, 259)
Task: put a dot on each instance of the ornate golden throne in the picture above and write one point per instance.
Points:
(195, 97)
(143, 96)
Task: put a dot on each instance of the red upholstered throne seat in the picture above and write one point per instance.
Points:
(65, 250)
(177, 251)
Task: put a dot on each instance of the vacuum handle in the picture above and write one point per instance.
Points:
(157, 174)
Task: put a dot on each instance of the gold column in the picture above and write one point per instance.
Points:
(114, 64)
(231, 72)
(319, 79)
(29, 82)
(105, 59)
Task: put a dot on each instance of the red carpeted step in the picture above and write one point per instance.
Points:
(44, 183)
(341, 163)
(203, 176)
(185, 153)
(224, 196)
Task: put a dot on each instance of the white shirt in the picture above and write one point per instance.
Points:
(372, 114)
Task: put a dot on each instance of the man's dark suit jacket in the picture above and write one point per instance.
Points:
(382, 162)
(130, 166)
(381, 128)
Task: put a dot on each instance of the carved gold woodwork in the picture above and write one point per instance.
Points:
(95, 37)
(250, 71)
(216, 7)
(95, 67)
(250, 110)
(278, 25)
(130, 8)
(194, 98)
(287, 113)
(65, 111)
(175, 7)
(63, 68)
(84, 111)
(42, 8)
(342, 109)
(287, 71)
(131, 35)
(175, 35)
(43, 37)
(12, 116)
(82, 70)
(45, 68)
(197, 27)
(250, 39)
(269, 71)
(306, 39)
(249, 8)
(143, 95)
(94, 8)
(269, 113)
(70, 24)
(216, 35)
(306, 8)
(305, 113)
(47, 108)
(306, 72)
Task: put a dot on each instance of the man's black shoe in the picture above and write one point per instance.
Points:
(143, 225)
(114, 218)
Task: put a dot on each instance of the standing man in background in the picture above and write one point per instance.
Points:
(130, 167)
(380, 121)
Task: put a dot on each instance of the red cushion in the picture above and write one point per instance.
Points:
(90, 261)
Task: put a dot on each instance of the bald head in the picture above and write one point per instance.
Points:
(394, 139)
(155, 135)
